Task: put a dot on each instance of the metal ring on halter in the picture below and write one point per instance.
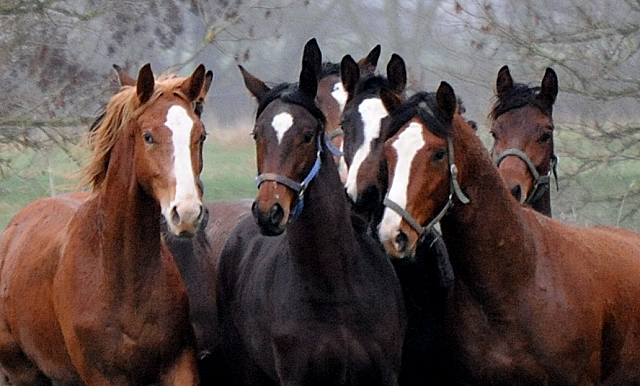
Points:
(298, 187)
(454, 189)
(540, 183)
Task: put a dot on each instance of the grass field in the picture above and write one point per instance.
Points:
(229, 170)
(604, 195)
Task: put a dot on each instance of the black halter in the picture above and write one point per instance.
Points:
(540, 183)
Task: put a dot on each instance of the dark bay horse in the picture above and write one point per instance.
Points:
(90, 294)
(303, 298)
(522, 129)
(535, 301)
(426, 279)
(331, 98)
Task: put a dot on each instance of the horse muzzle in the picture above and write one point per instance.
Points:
(186, 217)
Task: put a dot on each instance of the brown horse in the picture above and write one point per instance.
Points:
(303, 298)
(331, 99)
(91, 295)
(522, 128)
(535, 301)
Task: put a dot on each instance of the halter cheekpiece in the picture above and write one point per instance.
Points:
(454, 188)
(540, 182)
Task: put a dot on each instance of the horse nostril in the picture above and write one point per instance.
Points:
(276, 214)
(402, 241)
(175, 217)
(516, 192)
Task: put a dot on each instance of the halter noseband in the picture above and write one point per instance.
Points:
(328, 141)
(540, 183)
(454, 188)
(298, 187)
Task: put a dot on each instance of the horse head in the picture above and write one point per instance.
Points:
(155, 120)
(288, 132)
(422, 173)
(362, 124)
(522, 129)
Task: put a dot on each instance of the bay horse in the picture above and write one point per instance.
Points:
(426, 279)
(521, 120)
(303, 298)
(535, 301)
(331, 98)
(90, 293)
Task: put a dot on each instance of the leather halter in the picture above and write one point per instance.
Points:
(298, 187)
(540, 183)
(454, 189)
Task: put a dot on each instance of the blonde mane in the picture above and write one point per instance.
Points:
(121, 109)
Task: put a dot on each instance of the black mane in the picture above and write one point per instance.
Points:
(329, 68)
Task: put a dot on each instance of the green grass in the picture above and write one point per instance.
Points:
(228, 172)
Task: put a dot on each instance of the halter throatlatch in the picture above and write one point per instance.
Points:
(298, 187)
(454, 189)
(540, 183)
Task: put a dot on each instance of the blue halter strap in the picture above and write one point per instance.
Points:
(298, 187)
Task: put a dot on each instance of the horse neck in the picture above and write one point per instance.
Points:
(322, 238)
(128, 223)
(488, 238)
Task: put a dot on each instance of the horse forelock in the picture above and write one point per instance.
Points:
(329, 68)
(290, 93)
(113, 122)
(423, 105)
(519, 95)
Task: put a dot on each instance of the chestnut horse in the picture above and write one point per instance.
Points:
(535, 301)
(522, 129)
(91, 295)
(302, 297)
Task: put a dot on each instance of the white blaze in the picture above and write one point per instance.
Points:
(339, 94)
(281, 123)
(180, 124)
(406, 145)
(372, 111)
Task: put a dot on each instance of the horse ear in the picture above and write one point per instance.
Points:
(397, 74)
(145, 83)
(504, 82)
(123, 77)
(446, 100)
(390, 100)
(549, 87)
(256, 87)
(208, 79)
(349, 74)
(308, 83)
(369, 63)
(192, 86)
(313, 55)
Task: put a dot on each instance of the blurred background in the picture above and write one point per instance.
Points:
(56, 61)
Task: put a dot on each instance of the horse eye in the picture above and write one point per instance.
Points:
(494, 135)
(148, 138)
(308, 136)
(203, 137)
(438, 155)
(545, 137)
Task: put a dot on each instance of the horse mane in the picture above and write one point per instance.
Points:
(329, 68)
(424, 105)
(518, 96)
(290, 93)
(113, 122)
